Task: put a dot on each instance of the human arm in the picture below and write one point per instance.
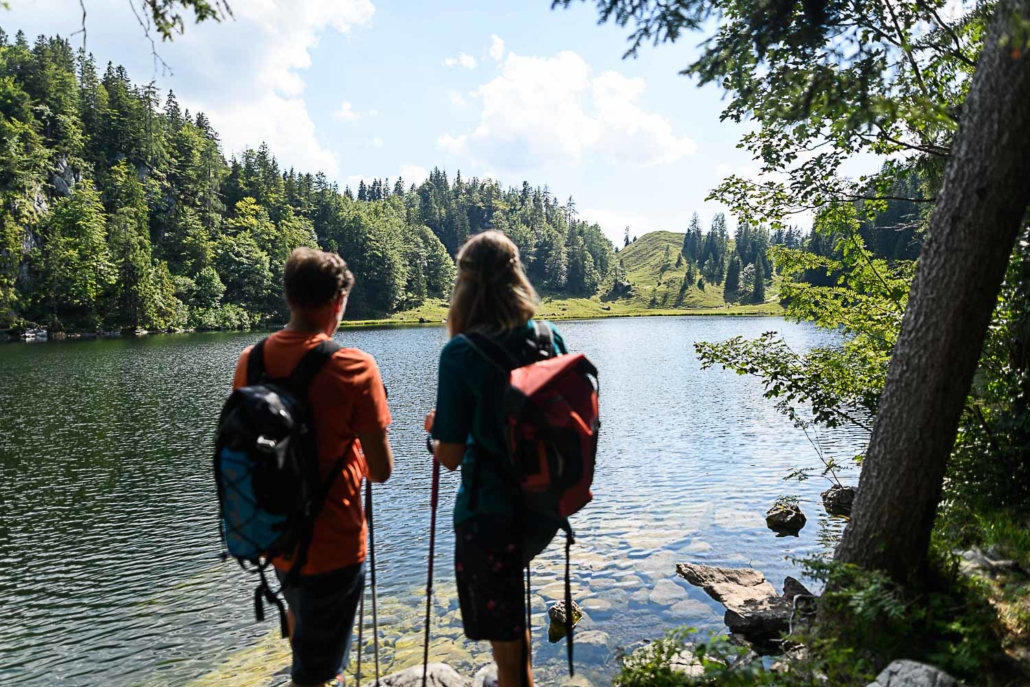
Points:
(451, 423)
(378, 455)
(448, 454)
(371, 418)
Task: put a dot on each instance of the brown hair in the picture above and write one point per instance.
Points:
(314, 278)
(492, 293)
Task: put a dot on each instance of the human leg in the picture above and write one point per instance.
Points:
(512, 659)
(323, 608)
(491, 590)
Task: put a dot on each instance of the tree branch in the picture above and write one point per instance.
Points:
(957, 53)
(82, 30)
(904, 47)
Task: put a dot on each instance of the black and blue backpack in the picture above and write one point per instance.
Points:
(266, 471)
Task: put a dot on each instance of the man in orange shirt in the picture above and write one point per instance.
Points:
(348, 404)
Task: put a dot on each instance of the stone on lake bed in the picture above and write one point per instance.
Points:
(785, 517)
(697, 546)
(730, 519)
(593, 646)
(684, 662)
(690, 608)
(667, 592)
(440, 675)
(596, 605)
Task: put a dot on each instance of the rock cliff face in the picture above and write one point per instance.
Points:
(64, 177)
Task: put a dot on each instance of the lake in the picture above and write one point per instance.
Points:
(109, 568)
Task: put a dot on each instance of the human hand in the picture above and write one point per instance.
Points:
(430, 418)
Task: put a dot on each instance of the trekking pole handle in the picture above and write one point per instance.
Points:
(429, 443)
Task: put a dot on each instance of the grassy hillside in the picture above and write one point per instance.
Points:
(643, 261)
(653, 287)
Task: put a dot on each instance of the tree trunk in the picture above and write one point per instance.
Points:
(973, 228)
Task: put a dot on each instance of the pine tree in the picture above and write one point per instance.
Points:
(732, 277)
(758, 294)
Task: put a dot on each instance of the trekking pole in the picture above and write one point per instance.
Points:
(372, 563)
(361, 633)
(433, 501)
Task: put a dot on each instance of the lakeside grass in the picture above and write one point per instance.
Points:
(434, 311)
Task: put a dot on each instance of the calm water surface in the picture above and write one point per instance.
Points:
(108, 540)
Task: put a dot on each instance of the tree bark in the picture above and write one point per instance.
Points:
(973, 229)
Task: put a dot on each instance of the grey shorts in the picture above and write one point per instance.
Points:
(323, 608)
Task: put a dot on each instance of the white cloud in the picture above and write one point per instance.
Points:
(284, 123)
(376, 142)
(457, 99)
(355, 179)
(260, 53)
(463, 60)
(496, 48)
(413, 174)
(541, 109)
(245, 72)
(346, 113)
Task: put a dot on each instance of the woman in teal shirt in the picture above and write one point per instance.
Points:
(493, 298)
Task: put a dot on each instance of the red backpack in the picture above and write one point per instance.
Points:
(551, 418)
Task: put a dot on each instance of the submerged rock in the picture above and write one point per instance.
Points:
(594, 647)
(837, 500)
(913, 674)
(785, 517)
(667, 593)
(684, 662)
(440, 675)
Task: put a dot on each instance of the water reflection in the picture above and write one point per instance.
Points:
(107, 515)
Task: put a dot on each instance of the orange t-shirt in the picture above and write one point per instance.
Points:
(347, 398)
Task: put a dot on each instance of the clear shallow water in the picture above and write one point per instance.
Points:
(108, 539)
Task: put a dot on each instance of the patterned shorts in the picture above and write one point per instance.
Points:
(491, 579)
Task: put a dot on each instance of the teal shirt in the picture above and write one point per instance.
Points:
(469, 411)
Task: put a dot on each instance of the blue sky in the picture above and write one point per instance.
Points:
(513, 90)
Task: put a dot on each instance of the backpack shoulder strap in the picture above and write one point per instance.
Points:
(256, 363)
(493, 352)
(544, 339)
(313, 361)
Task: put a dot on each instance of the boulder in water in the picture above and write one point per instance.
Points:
(729, 586)
(753, 608)
(785, 517)
(556, 613)
(837, 500)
